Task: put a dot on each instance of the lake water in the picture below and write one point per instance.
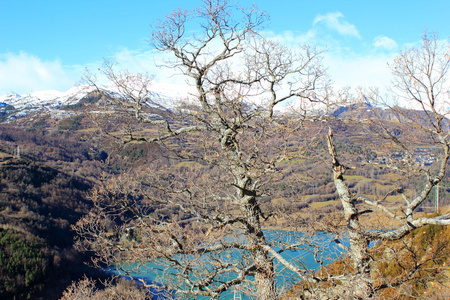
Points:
(303, 257)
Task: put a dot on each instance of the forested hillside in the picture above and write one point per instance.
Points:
(44, 184)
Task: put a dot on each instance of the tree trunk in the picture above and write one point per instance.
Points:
(265, 276)
(361, 281)
(264, 272)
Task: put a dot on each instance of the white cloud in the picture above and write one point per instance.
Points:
(384, 42)
(24, 73)
(154, 64)
(150, 62)
(334, 21)
(344, 65)
(359, 71)
(293, 38)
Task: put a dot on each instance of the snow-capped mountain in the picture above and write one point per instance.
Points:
(9, 98)
(161, 96)
(49, 98)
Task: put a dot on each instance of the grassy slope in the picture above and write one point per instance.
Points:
(413, 268)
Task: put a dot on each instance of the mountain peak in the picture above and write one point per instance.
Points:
(52, 100)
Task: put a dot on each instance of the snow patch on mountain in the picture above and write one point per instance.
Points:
(156, 95)
(48, 98)
(5, 99)
(161, 96)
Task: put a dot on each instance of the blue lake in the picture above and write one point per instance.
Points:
(303, 257)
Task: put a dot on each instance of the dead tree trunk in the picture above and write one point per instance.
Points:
(362, 281)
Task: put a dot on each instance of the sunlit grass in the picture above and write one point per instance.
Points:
(278, 201)
(296, 161)
(357, 177)
(188, 164)
(317, 205)
(88, 130)
(392, 177)
(394, 198)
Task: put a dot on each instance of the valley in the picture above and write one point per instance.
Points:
(54, 154)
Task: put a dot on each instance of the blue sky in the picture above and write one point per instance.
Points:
(48, 44)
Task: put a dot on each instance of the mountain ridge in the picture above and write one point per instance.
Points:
(163, 97)
(14, 105)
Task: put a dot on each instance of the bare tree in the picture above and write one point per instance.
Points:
(420, 80)
(87, 289)
(198, 217)
(214, 239)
